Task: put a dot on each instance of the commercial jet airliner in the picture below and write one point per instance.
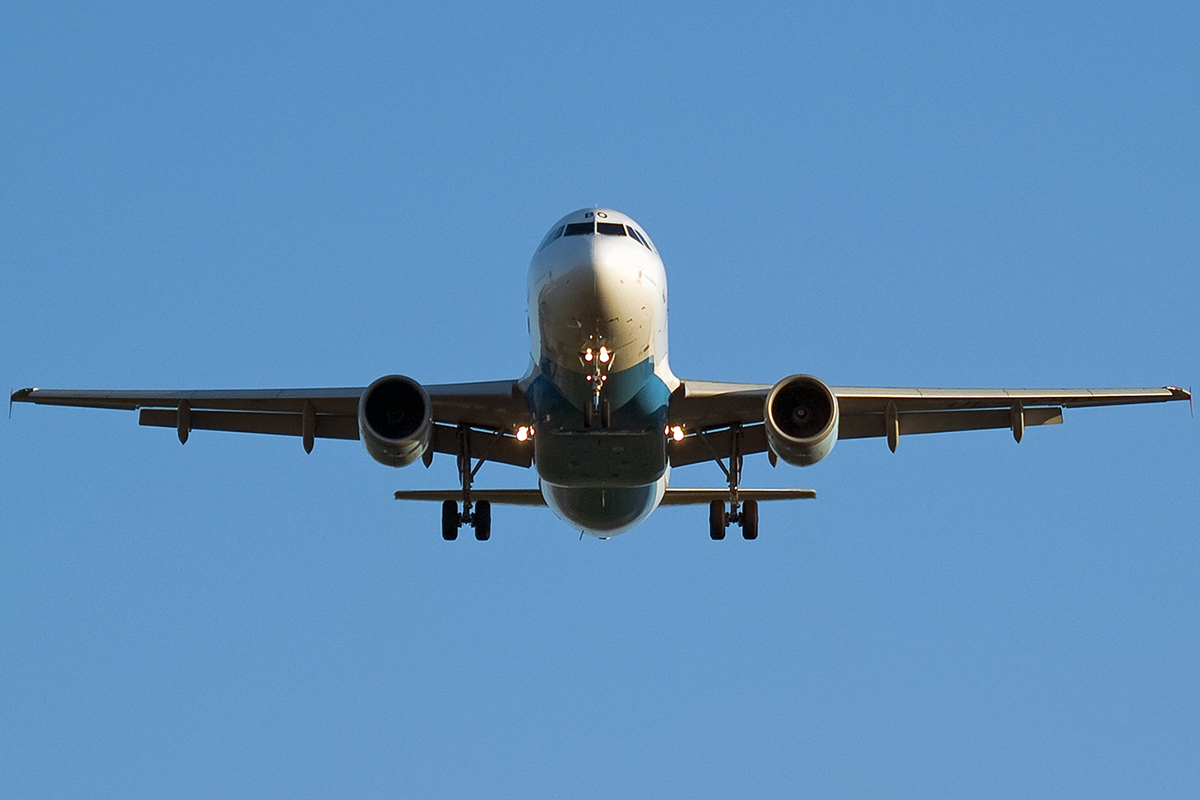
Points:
(599, 413)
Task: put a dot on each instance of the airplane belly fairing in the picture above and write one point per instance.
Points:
(631, 451)
(604, 512)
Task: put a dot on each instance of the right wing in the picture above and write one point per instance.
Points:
(489, 411)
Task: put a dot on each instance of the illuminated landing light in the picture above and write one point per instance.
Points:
(587, 356)
(522, 433)
(677, 433)
(603, 355)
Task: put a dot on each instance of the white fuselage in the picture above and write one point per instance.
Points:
(598, 318)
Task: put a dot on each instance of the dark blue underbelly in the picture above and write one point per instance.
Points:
(602, 512)
(631, 452)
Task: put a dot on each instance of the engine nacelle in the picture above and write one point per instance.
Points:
(801, 415)
(395, 420)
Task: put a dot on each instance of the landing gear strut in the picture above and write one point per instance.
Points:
(589, 414)
(744, 514)
(478, 516)
(599, 361)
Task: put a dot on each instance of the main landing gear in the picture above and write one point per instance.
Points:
(745, 515)
(719, 519)
(479, 515)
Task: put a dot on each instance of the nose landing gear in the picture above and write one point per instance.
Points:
(599, 360)
(589, 413)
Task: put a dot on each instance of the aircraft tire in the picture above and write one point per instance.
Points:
(449, 520)
(717, 520)
(482, 522)
(750, 519)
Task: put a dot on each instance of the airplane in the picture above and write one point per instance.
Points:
(599, 414)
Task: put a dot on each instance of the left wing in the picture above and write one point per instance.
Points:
(708, 412)
(490, 411)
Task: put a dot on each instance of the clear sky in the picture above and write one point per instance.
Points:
(256, 195)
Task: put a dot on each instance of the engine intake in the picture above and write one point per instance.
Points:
(801, 415)
(395, 420)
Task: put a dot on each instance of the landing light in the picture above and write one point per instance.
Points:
(522, 433)
(603, 355)
(677, 433)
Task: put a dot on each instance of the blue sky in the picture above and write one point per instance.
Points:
(878, 194)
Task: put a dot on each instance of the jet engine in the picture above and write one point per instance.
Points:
(395, 420)
(801, 415)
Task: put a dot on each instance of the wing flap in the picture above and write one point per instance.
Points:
(861, 426)
(328, 426)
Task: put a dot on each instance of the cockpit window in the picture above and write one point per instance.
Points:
(640, 237)
(596, 227)
(551, 236)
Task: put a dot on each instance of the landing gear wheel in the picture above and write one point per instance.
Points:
(450, 520)
(749, 519)
(718, 520)
(482, 520)
(605, 414)
(588, 413)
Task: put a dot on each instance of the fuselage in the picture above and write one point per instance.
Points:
(599, 383)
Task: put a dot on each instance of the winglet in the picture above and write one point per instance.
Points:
(1182, 394)
(19, 396)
